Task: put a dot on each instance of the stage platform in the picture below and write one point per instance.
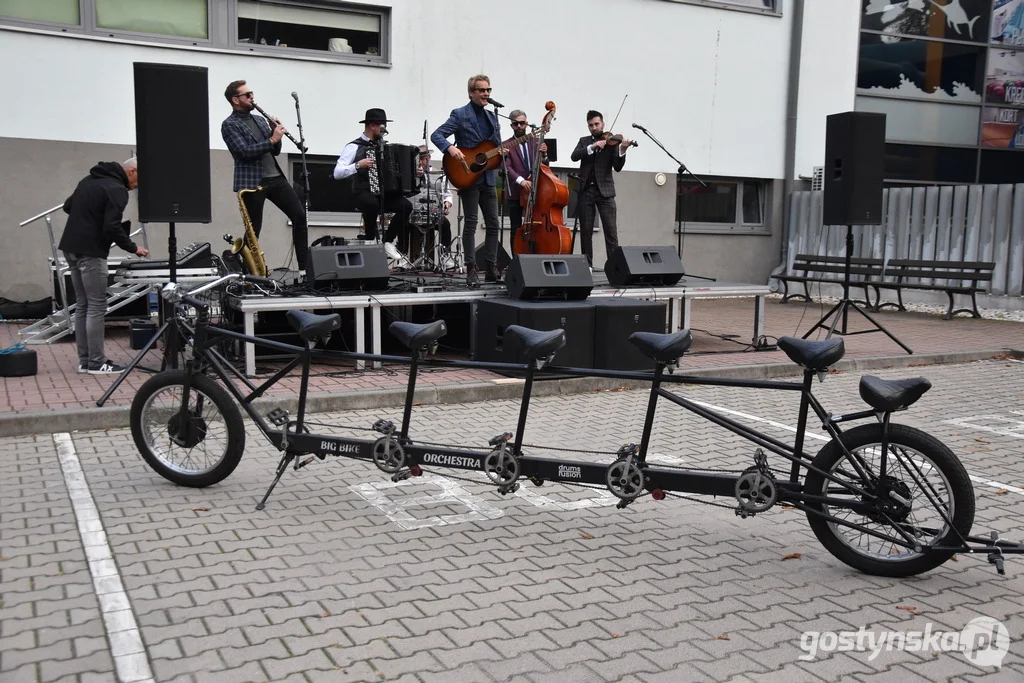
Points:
(452, 290)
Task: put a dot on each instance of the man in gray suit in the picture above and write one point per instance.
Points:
(471, 125)
(597, 194)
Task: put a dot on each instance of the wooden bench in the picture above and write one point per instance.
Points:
(951, 277)
(830, 270)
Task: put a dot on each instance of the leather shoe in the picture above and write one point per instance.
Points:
(472, 277)
(492, 274)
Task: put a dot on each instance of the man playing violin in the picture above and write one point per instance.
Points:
(253, 145)
(519, 164)
(598, 153)
(472, 124)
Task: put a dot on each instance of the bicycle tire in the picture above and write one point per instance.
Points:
(148, 418)
(897, 561)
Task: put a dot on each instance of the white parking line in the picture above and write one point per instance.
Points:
(126, 646)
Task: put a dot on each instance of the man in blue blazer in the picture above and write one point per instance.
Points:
(253, 146)
(471, 125)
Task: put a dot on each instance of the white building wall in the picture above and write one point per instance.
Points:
(711, 84)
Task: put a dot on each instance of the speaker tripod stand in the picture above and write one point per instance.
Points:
(164, 332)
(840, 312)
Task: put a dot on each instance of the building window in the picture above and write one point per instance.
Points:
(953, 20)
(325, 28)
(54, 11)
(723, 206)
(927, 122)
(767, 6)
(181, 18)
(907, 67)
(330, 198)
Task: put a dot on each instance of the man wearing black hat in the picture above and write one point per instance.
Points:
(354, 162)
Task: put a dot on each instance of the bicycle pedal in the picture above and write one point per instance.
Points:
(623, 502)
(627, 449)
(504, 490)
(384, 427)
(278, 416)
(500, 439)
(401, 476)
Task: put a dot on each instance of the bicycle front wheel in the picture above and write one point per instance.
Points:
(198, 448)
(925, 493)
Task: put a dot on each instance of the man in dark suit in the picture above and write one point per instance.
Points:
(253, 146)
(519, 166)
(597, 194)
(471, 125)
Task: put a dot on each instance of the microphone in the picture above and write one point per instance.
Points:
(496, 103)
(637, 125)
(383, 130)
(295, 96)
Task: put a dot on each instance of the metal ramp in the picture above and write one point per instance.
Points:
(60, 324)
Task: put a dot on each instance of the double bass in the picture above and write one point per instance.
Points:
(543, 230)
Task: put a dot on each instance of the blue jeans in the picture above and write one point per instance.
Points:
(89, 278)
(485, 197)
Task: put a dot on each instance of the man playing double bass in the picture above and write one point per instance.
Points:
(519, 165)
(597, 159)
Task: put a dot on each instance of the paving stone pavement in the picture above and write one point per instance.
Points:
(460, 584)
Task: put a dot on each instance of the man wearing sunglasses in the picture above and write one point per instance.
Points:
(519, 164)
(253, 145)
(471, 125)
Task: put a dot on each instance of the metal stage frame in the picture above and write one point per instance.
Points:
(680, 298)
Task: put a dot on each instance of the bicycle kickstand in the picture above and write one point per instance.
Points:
(286, 458)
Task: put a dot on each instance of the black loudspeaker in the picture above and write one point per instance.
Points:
(354, 266)
(657, 266)
(854, 165)
(493, 316)
(617, 318)
(536, 276)
(501, 259)
(172, 133)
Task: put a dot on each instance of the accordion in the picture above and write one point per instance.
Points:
(394, 173)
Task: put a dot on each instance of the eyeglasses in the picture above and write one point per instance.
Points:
(518, 123)
(482, 89)
(244, 94)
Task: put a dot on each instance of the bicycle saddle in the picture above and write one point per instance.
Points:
(813, 355)
(536, 343)
(311, 326)
(662, 348)
(415, 335)
(892, 394)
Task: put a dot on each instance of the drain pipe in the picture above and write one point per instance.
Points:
(792, 102)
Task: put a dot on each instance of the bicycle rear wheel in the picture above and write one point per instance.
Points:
(199, 450)
(920, 470)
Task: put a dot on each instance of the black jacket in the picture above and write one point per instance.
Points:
(599, 164)
(94, 213)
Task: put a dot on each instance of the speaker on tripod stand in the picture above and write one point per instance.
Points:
(853, 182)
(172, 134)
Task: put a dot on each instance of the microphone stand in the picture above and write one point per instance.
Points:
(680, 172)
(576, 212)
(305, 170)
(503, 206)
(426, 228)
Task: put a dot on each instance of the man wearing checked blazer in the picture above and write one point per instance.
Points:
(471, 125)
(597, 194)
(253, 145)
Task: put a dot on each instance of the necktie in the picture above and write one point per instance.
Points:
(526, 155)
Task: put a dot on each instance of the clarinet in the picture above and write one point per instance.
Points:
(270, 120)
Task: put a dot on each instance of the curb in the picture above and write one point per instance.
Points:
(116, 417)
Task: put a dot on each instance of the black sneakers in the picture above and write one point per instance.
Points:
(107, 368)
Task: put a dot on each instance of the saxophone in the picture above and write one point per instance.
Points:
(248, 246)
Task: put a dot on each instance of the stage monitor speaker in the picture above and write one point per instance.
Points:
(657, 266)
(542, 276)
(854, 168)
(493, 316)
(502, 259)
(172, 133)
(354, 266)
(615, 319)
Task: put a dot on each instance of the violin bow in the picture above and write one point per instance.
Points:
(619, 111)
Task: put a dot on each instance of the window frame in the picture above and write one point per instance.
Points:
(723, 4)
(737, 226)
(222, 22)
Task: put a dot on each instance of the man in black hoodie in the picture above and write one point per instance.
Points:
(94, 222)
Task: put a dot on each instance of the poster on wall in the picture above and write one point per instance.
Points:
(951, 19)
(1003, 114)
(911, 67)
(1007, 22)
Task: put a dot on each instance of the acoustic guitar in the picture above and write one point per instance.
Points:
(479, 159)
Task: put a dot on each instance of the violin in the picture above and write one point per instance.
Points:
(614, 139)
(543, 230)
